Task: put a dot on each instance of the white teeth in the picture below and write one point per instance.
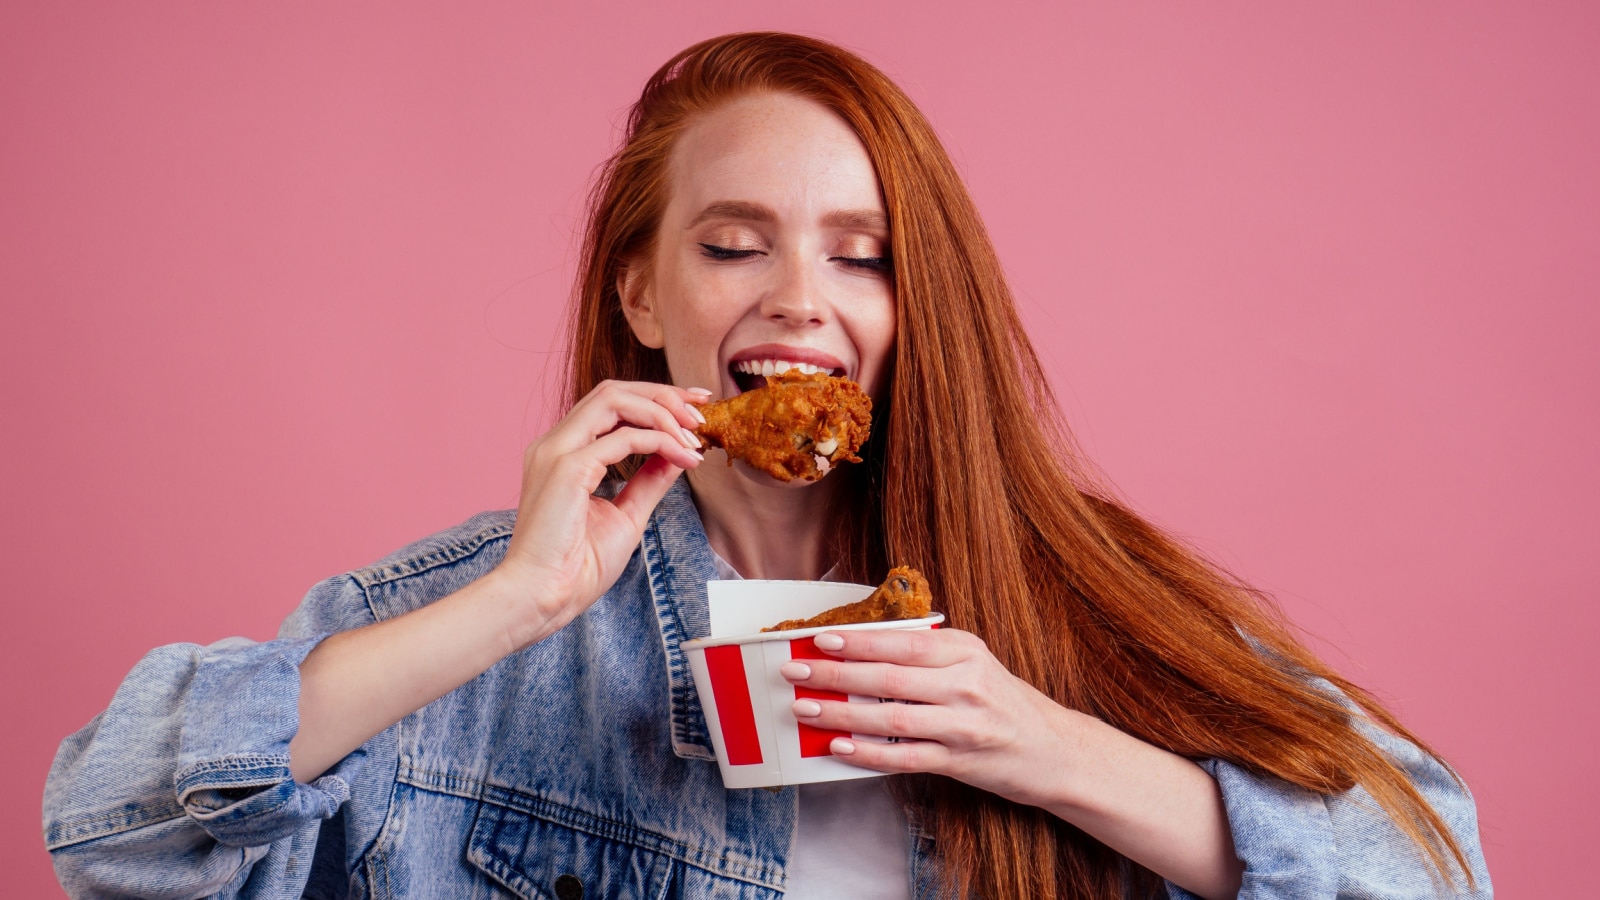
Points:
(777, 366)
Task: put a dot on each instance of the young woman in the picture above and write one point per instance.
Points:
(505, 706)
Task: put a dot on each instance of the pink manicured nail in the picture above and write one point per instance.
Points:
(829, 642)
(842, 747)
(807, 709)
(701, 391)
(689, 439)
(694, 413)
(795, 671)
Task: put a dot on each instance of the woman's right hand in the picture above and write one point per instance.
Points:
(569, 546)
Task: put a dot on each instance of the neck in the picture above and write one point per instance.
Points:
(764, 530)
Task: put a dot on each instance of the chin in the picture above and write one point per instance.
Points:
(756, 476)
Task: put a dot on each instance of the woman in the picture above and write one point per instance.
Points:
(505, 706)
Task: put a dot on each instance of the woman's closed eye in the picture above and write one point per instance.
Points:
(870, 263)
(715, 252)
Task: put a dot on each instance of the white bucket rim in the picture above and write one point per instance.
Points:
(798, 633)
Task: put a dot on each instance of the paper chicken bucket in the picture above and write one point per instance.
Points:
(747, 703)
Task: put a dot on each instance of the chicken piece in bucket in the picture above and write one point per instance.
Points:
(903, 595)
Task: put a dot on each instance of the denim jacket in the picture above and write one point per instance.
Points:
(578, 767)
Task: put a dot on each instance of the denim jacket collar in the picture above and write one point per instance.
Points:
(678, 563)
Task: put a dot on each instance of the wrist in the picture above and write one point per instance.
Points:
(1068, 788)
(512, 607)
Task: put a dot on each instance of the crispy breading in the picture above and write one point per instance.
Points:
(903, 595)
(794, 426)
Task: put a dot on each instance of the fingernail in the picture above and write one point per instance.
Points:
(808, 709)
(694, 413)
(689, 439)
(795, 671)
(842, 747)
(701, 391)
(829, 642)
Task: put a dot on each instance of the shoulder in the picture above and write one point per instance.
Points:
(453, 546)
(437, 565)
(411, 577)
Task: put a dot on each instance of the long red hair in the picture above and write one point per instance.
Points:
(971, 477)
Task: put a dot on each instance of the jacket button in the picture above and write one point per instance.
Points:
(568, 887)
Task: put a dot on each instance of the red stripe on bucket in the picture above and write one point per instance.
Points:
(814, 741)
(730, 689)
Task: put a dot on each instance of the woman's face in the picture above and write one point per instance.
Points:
(772, 252)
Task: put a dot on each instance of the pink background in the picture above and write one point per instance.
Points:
(281, 285)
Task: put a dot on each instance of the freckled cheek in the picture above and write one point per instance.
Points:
(876, 346)
(697, 299)
(706, 320)
(883, 325)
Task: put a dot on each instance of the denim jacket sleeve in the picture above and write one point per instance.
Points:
(1297, 844)
(181, 788)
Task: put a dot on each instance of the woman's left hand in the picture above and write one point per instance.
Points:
(968, 716)
(971, 719)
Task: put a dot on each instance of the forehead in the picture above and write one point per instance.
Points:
(784, 151)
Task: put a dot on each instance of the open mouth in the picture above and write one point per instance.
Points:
(750, 374)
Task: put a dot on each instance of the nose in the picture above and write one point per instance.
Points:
(795, 296)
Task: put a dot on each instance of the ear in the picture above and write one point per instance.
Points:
(637, 294)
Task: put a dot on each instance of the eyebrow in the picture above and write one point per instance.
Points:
(756, 212)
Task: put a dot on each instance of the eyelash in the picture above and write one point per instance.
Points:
(869, 263)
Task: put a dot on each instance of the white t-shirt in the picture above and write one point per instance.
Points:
(851, 840)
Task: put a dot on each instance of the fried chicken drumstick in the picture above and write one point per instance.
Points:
(903, 595)
(794, 426)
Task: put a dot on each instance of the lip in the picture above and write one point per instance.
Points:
(789, 354)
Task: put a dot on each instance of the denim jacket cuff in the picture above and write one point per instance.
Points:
(253, 815)
(233, 776)
(1282, 833)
